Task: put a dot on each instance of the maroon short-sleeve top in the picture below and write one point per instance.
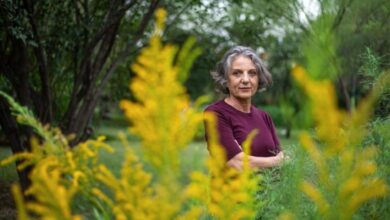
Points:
(233, 127)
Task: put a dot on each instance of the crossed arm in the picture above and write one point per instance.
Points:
(256, 162)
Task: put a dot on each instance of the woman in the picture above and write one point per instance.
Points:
(240, 74)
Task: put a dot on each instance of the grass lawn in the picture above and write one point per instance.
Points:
(8, 175)
(193, 157)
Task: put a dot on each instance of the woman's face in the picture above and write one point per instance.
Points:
(243, 79)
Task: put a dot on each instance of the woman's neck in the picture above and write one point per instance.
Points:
(243, 105)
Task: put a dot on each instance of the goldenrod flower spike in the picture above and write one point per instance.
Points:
(227, 193)
(286, 216)
(350, 181)
(53, 198)
(315, 195)
(162, 110)
(317, 157)
(161, 15)
(17, 194)
(324, 109)
(246, 146)
(372, 189)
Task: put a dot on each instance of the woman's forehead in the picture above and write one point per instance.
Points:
(242, 61)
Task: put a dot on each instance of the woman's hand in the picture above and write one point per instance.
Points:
(236, 161)
(279, 158)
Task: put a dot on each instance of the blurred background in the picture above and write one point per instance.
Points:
(68, 61)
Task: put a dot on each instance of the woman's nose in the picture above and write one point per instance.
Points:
(245, 77)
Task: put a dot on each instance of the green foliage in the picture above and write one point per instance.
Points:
(16, 17)
(362, 26)
(370, 68)
(8, 173)
(276, 114)
(371, 71)
(320, 49)
(25, 116)
(379, 136)
(279, 191)
(186, 57)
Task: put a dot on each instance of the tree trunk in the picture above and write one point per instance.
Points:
(90, 81)
(20, 58)
(345, 94)
(10, 128)
(288, 131)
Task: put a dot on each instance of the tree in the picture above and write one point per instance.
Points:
(57, 57)
(362, 34)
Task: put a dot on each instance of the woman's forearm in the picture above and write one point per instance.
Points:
(264, 162)
(256, 162)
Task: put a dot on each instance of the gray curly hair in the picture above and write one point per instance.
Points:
(220, 75)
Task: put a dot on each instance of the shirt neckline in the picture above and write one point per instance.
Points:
(236, 110)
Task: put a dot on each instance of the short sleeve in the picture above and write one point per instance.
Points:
(225, 133)
(272, 128)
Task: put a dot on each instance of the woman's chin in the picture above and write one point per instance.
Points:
(244, 97)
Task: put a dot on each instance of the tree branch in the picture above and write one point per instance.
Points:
(129, 48)
(188, 4)
(288, 18)
(46, 114)
(112, 18)
(340, 15)
(104, 51)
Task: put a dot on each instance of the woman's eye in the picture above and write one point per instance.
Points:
(252, 73)
(236, 73)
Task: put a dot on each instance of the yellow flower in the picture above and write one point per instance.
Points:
(286, 216)
(20, 204)
(351, 180)
(227, 193)
(162, 110)
(312, 192)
